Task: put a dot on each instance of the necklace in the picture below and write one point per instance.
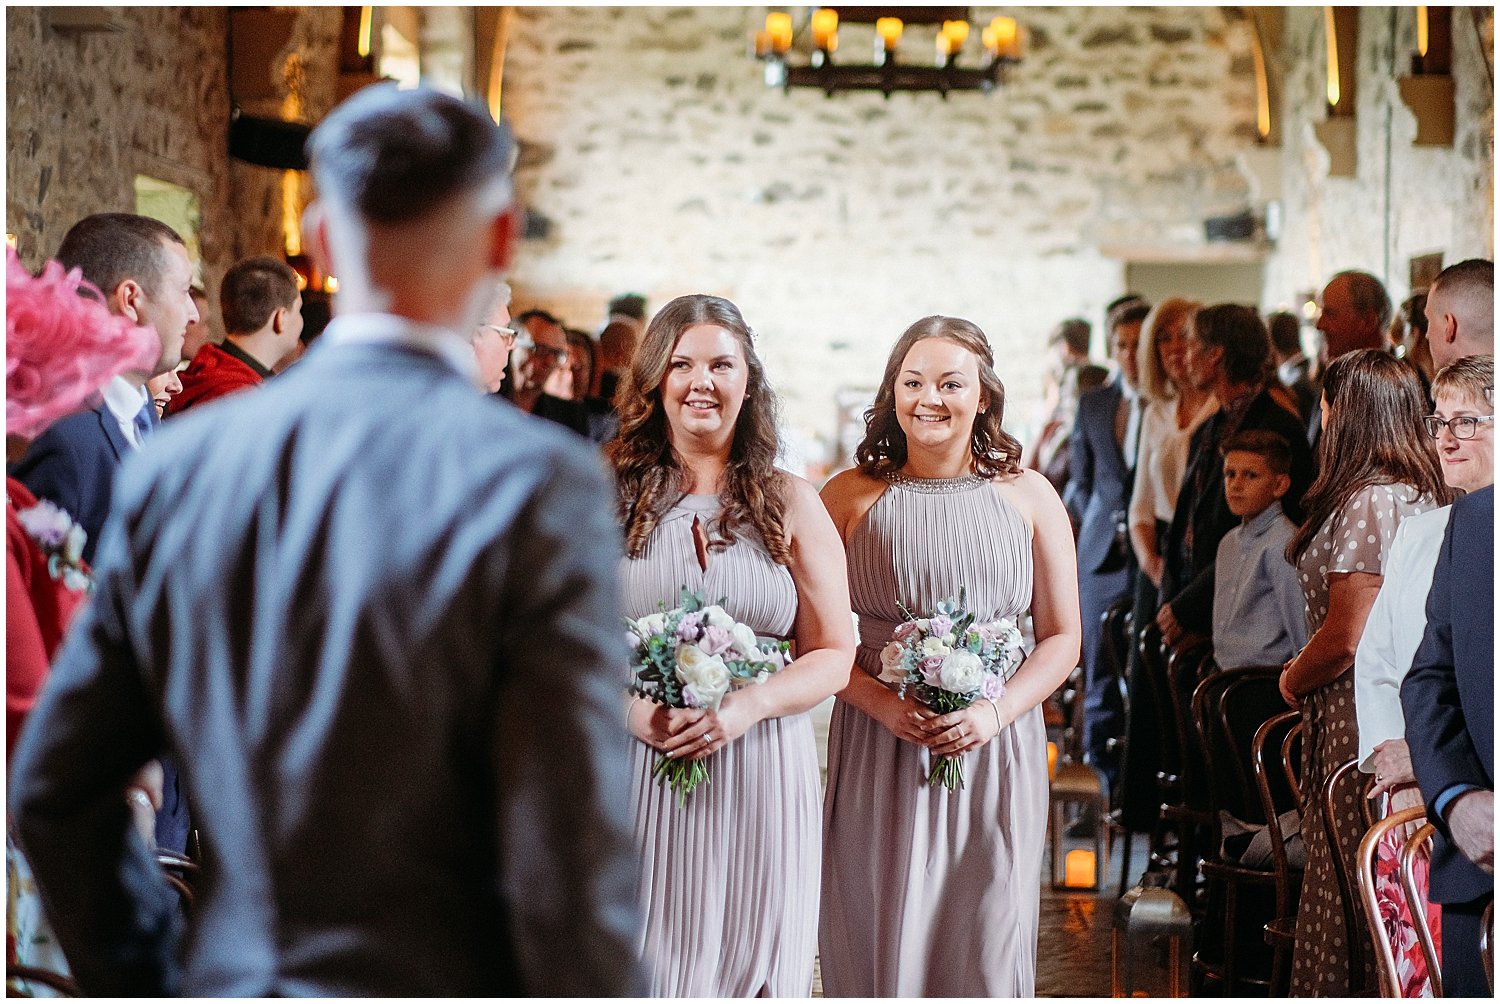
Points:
(934, 486)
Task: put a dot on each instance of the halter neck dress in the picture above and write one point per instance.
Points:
(929, 892)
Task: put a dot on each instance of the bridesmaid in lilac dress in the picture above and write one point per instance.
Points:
(729, 881)
(929, 892)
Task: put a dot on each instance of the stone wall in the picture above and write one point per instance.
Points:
(87, 113)
(666, 166)
(1403, 200)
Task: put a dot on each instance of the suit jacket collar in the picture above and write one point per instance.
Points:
(390, 330)
(112, 432)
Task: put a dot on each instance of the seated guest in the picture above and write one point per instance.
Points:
(1260, 618)
(1465, 441)
(1375, 470)
(262, 310)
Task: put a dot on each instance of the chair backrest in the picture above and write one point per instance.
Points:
(1153, 651)
(1385, 956)
(1185, 668)
(1229, 706)
(1419, 845)
(1487, 942)
(17, 978)
(1276, 740)
(1346, 774)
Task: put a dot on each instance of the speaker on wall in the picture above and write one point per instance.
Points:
(268, 142)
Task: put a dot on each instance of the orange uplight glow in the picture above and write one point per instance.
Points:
(1422, 31)
(1333, 56)
(1051, 760)
(291, 212)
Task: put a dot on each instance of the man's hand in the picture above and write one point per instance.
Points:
(1171, 631)
(1471, 821)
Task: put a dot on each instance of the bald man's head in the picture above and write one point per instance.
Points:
(1461, 312)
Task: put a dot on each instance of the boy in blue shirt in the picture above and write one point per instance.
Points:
(1260, 615)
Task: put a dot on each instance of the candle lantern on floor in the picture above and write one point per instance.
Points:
(1082, 787)
(1145, 916)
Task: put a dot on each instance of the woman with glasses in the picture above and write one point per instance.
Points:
(1376, 469)
(493, 341)
(1463, 434)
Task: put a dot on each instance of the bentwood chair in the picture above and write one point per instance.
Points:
(1380, 938)
(1275, 756)
(1419, 846)
(1487, 942)
(1342, 780)
(17, 978)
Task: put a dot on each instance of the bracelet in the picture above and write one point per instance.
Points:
(996, 709)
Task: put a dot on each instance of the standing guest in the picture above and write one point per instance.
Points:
(1228, 354)
(1449, 700)
(1375, 470)
(927, 891)
(1100, 474)
(616, 346)
(373, 732)
(199, 332)
(729, 879)
(162, 388)
(1293, 368)
(583, 365)
(1461, 312)
(493, 339)
(143, 270)
(1354, 310)
(61, 347)
(544, 354)
(1464, 434)
(262, 310)
(1260, 617)
(1048, 451)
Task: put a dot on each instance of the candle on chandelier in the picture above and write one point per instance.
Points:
(779, 28)
(889, 29)
(825, 26)
(1002, 38)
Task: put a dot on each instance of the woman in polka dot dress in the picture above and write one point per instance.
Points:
(1375, 469)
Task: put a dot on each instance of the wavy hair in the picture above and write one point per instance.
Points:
(1169, 313)
(1374, 436)
(649, 473)
(994, 451)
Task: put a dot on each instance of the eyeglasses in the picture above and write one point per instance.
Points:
(507, 335)
(1462, 426)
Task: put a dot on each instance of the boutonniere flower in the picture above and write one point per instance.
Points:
(61, 540)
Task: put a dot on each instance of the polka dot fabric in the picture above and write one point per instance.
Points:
(1354, 539)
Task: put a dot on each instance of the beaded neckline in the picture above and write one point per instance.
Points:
(934, 486)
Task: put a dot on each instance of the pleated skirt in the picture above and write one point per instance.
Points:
(929, 892)
(729, 883)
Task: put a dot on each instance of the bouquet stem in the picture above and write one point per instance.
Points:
(681, 775)
(947, 771)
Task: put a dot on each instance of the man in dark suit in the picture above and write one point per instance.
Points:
(1448, 700)
(143, 270)
(1101, 464)
(393, 677)
(543, 351)
(1228, 353)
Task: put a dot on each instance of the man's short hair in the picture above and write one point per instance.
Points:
(1271, 447)
(632, 305)
(1286, 332)
(537, 314)
(253, 290)
(1130, 312)
(1367, 294)
(1476, 275)
(109, 248)
(1240, 332)
(394, 155)
(1076, 332)
(1121, 300)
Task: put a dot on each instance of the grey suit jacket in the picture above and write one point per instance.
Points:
(374, 612)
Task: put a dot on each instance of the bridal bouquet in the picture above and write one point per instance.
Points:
(690, 657)
(950, 662)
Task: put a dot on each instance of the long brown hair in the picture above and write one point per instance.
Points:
(648, 471)
(1374, 436)
(994, 450)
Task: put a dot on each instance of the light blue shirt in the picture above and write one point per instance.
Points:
(1260, 615)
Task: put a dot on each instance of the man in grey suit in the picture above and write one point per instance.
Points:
(374, 611)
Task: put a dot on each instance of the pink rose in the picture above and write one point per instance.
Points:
(932, 667)
(716, 640)
(903, 630)
(940, 625)
(992, 687)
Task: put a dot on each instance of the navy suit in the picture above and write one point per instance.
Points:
(1098, 494)
(376, 614)
(72, 464)
(1448, 700)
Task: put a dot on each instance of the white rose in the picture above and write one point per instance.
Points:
(651, 624)
(891, 670)
(704, 677)
(934, 646)
(744, 641)
(962, 673)
(715, 616)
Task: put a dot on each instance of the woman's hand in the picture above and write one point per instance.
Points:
(717, 729)
(905, 718)
(1392, 760)
(1288, 695)
(963, 731)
